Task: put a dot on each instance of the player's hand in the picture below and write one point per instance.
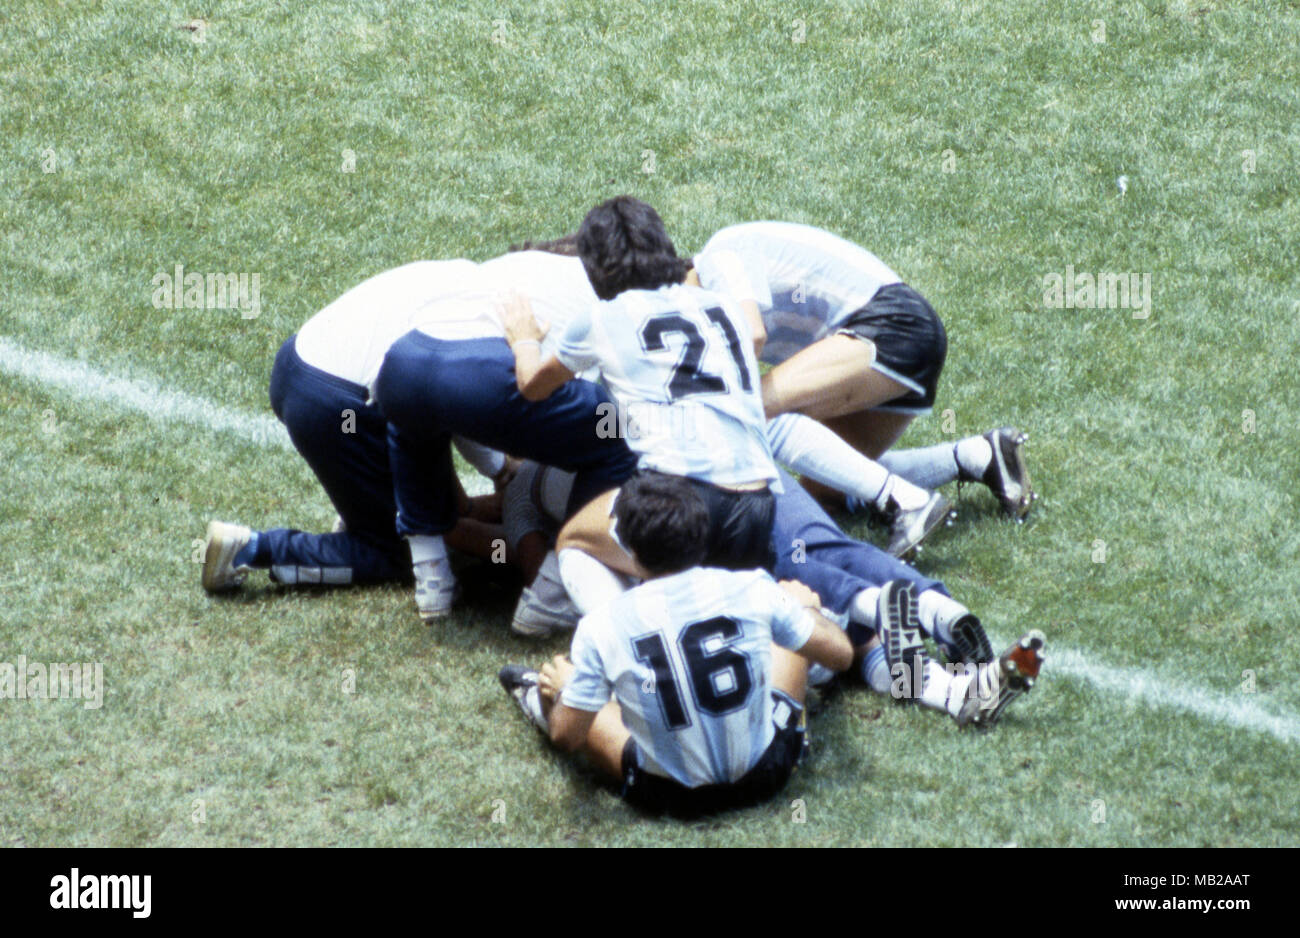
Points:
(518, 319)
(553, 676)
(801, 594)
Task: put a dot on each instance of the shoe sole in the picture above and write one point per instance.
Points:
(972, 642)
(904, 642)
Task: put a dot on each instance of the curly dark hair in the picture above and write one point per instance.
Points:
(663, 521)
(623, 246)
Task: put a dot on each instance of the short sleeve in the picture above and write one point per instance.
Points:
(574, 349)
(588, 689)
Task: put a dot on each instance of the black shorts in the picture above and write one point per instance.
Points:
(740, 526)
(910, 342)
(660, 795)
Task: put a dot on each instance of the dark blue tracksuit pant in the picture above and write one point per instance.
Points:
(812, 549)
(430, 389)
(345, 443)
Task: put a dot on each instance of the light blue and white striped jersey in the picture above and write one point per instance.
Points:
(806, 281)
(689, 659)
(679, 361)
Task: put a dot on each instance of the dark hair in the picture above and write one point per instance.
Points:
(566, 245)
(663, 521)
(623, 246)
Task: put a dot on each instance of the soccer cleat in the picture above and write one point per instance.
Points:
(534, 618)
(998, 683)
(964, 640)
(520, 682)
(907, 529)
(900, 635)
(435, 590)
(220, 545)
(1007, 476)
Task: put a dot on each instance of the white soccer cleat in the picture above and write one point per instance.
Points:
(220, 545)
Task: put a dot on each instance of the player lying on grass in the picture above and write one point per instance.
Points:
(685, 688)
(681, 360)
(848, 575)
(320, 389)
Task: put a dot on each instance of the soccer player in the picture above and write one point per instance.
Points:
(854, 581)
(856, 348)
(435, 384)
(685, 688)
(680, 361)
(320, 389)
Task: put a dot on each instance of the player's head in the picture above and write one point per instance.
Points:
(623, 246)
(663, 521)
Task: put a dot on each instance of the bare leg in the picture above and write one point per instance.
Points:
(828, 379)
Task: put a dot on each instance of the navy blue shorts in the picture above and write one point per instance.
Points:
(431, 389)
(660, 795)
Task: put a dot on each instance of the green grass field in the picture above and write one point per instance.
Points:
(976, 147)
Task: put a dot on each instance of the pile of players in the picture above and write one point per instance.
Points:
(612, 392)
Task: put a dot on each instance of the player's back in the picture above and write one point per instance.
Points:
(679, 361)
(689, 658)
(349, 337)
(556, 285)
(805, 280)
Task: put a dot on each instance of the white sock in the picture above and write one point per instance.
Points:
(938, 612)
(429, 560)
(862, 607)
(818, 452)
(427, 547)
(974, 455)
(929, 466)
(589, 582)
(945, 691)
(875, 670)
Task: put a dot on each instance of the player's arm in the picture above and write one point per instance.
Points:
(569, 725)
(756, 327)
(537, 379)
(827, 645)
(730, 271)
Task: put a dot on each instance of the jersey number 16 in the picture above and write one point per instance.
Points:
(720, 680)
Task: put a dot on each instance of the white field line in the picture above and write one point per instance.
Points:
(157, 403)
